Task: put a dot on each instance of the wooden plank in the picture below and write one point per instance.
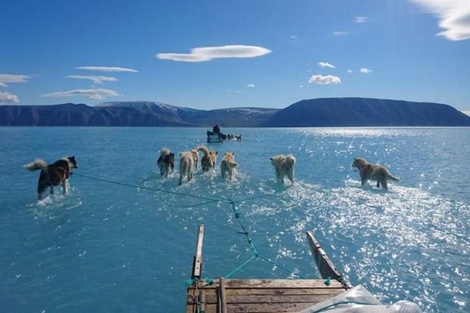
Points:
(282, 292)
(221, 297)
(253, 299)
(191, 300)
(278, 283)
(263, 295)
(324, 264)
(262, 307)
(278, 292)
(272, 288)
(197, 261)
(265, 299)
(269, 307)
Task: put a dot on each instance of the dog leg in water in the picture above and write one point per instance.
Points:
(384, 183)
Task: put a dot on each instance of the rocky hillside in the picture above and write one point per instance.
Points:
(306, 113)
(366, 112)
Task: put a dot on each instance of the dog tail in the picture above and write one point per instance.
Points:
(290, 160)
(164, 151)
(204, 150)
(391, 177)
(37, 164)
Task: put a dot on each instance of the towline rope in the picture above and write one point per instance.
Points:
(207, 200)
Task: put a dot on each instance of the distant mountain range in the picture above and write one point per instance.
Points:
(324, 112)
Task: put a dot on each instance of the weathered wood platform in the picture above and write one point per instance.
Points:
(262, 295)
(259, 295)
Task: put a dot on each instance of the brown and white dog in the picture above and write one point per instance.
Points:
(53, 174)
(284, 166)
(228, 164)
(166, 162)
(209, 158)
(374, 172)
(186, 165)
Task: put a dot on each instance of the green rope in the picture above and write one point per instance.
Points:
(252, 246)
(206, 201)
(149, 188)
(328, 281)
(240, 267)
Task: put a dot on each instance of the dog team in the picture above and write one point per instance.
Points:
(189, 160)
(283, 166)
(59, 172)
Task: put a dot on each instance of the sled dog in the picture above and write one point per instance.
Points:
(209, 158)
(53, 174)
(284, 166)
(228, 164)
(373, 172)
(166, 162)
(186, 165)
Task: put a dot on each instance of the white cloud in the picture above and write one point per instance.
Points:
(209, 53)
(453, 15)
(95, 79)
(349, 71)
(251, 85)
(95, 94)
(6, 97)
(365, 70)
(360, 19)
(10, 78)
(324, 80)
(466, 112)
(326, 64)
(338, 33)
(106, 69)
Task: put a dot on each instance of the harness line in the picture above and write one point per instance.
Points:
(237, 215)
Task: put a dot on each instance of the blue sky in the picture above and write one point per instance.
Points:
(219, 54)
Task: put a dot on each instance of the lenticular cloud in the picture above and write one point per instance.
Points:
(95, 94)
(454, 17)
(209, 53)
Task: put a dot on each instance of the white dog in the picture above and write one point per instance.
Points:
(186, 165)
(228, 164)
(284, 166)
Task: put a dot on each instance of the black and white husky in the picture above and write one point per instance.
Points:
(166, 162)
(53, 174)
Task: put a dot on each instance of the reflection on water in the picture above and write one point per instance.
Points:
(128, 238)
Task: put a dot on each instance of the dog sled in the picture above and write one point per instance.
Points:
(215, 137)
(219, 137)
(332, 293)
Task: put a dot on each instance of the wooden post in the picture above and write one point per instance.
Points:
(324, 264)
(197, 261)
(221, 297)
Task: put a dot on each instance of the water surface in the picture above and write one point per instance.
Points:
(123, 239)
